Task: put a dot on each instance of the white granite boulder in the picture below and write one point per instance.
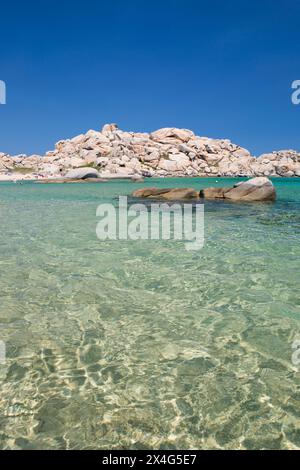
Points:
(82, 173)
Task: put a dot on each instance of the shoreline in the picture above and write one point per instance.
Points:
(107, 179)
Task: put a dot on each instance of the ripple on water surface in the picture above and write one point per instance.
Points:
(143, 344)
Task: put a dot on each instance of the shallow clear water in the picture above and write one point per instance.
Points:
(142, 344)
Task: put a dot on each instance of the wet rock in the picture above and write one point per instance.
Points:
(213, 193)
(170, 194)
(255, 189)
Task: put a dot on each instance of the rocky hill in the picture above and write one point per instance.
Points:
(165, 152)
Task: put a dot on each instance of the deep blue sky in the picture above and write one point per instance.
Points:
(220, 68)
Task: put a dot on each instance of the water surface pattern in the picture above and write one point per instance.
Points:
(142, 344)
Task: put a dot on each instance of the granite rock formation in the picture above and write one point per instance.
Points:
(165, 152)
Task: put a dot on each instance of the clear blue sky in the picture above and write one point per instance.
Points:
(220, 68)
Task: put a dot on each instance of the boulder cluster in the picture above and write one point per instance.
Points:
(165, 152)
(255, 189)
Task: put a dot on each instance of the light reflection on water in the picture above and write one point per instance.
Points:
(142, 344)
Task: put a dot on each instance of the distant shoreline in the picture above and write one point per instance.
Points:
(96, 181)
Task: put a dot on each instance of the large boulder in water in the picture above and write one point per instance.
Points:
(169, 194)
(255, 189)
(82, 173)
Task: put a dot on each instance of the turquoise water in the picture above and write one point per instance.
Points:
(142, 344)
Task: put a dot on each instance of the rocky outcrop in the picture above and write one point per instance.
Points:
(255, 189)
(165, 152)
(169, 194)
